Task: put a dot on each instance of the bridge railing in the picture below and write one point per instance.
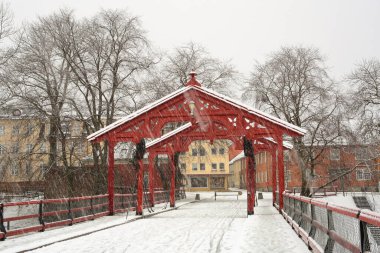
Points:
(37, 215)
(22, 217)
(326, 227)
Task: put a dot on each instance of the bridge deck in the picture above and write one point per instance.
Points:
(205, 226)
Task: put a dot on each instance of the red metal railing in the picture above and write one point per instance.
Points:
(48, 213)
(326, 227)
(38, 215)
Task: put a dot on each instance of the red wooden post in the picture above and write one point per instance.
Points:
(274, 176)
(251, 184)
(151, 178)
(172, 184)
(111, 177)
(281, 173)
(139, 208)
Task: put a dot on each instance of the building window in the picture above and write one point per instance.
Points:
(214, 166)
(15, 148)
(199, 182)
(221, 166)
(29, 129)
(43, 148)
(360, 154)
(334, 154)
(202, 152)
(286, 155)
(43, 168)
(213, 151)
(288, 175)
(363, 174)
(194, 152)
(217, 182)
(202, 166)
(66, 129)
(221, 151)
(2, 150)
(42, 131)
(2, 130)
(183, 167)
(14, 169)
(15, 130)
(29, 148)
(28, 168)
(194, 166)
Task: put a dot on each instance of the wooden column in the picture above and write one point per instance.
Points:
(152, 155)
(250, 174)
(111, 177)
(281, 172)
(139, 208)
(172, 180)
(251, 184)
(274, 176)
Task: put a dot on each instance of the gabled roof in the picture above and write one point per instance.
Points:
(168, 135)
(285, 144)
(208, 92)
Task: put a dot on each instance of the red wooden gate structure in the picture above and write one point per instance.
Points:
(203, 115)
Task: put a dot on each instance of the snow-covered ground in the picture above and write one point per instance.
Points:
(347, 200)
(204, 226)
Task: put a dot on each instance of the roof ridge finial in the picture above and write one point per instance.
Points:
(193, 81)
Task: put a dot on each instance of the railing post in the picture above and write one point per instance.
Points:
(70, 215)
(364, 242)
(40, 216)
(330, 226)
(312, 230)
(92, 206)
(2, 228)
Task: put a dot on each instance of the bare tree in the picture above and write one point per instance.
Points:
(106, 56)
(40, 80)
(365, 102)
(173, 72)
(293, 84)
(7, 48)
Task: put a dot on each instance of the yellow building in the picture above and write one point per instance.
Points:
(24, 146)
(206, 166)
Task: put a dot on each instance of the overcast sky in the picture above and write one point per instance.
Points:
(345, 31)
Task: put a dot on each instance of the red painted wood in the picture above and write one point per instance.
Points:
(274, 177)
(251, 183)
(140, 176)
(281, 172)
(172, 181)
(151, 178)
(111, 177)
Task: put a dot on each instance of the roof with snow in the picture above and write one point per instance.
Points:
(285, 144)
(194, 85)
(168, 135)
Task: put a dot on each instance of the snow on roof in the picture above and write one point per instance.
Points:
(285, 144)
(137, 113)
(238, 157)
(203, 90)
(167, 135)
(252, 110)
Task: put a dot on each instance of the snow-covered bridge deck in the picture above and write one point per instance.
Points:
(205, 226)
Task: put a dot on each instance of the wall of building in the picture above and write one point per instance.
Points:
(24, 147)
(332, 162)
(206, 165)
